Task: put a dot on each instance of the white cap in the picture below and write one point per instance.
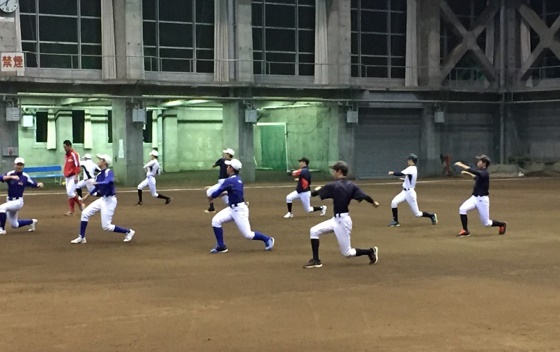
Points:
(236, 164)
(19, 161)
(154, 153)
(229, 151)
(87, 156)
(105, 157)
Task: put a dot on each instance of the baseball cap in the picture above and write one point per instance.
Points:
(19, 161)
(229, 151)
(340, 166)
(87, 156)
(305, 160)
(412, 157)
(105, 157)
(484, 158)
(236, 164)
(154, 153)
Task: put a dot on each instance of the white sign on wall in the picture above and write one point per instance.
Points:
(12, 62)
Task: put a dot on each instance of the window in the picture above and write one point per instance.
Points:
(549, 64)
(78, 123)
(178, 35)
(110, 126)
(61, 33)
(378, 30)
(283, 37)
(148, 127)
(41, 126)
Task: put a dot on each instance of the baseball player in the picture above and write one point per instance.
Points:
(89, 171)
(152, 170)
(342, 191)
(303, 190)
(236, 211)
(106, 204)
(71, 172)
(227, 155)
(479, 198)
(408, 193)
(17, 180)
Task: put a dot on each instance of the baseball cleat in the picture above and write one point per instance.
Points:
(269, 244)
(168, 200)
(464, 233)
(503, 229)
(394, 224)
(129, 235)
(139, 203)
(313, 263)
(219, 249)
(69, 213)
(374, 255)
(434, 219)
(288, 215)
(323, 210)
(208, 211)
(79, 239)
(32, 226)
(2, 231)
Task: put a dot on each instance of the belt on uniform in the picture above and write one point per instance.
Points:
(109, 195)
(480, 195)
(341, 215)
(14, 198)
(234, 205)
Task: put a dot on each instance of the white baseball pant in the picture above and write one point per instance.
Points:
(341, 225)
(410, 197)
(150, 181)
(71, 186)
(11, 208)
(87, 183)
(305, 198)
(216, 187)
(482, 204)
(105, 205)
(239, 214)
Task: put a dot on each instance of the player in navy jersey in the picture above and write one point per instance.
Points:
(341, 191)
(303, 190)
(479, 198)
(236, 211)
(17, 180)
(221, 163)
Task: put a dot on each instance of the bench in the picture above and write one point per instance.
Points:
(53, 171)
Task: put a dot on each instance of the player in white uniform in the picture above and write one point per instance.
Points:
(408, 193)
(106, 204)
(89, 171)
(152, 170)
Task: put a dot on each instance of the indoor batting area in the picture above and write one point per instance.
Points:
(155, 105)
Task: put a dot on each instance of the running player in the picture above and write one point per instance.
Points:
(17, 180)
(479, 198)
(71, 172)
(89, 171)
(227, 155)
(106, 204)
(342, 191)
(303, 190)
(236, 211)
(408, 193)
(152, 170)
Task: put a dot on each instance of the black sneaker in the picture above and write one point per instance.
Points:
(374, 255)
(313, 263)
(139, 203)
(168, 200)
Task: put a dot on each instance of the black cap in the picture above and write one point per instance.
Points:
(484, 158)
(340, 166)
(305, 160)
(412, 157)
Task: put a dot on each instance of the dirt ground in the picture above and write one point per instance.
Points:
(163, 291)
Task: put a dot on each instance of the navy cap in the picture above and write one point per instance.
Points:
(412, 157)
(305, 160)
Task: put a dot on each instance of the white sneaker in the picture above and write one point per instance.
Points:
(32, 226)
(323, 210)
(2, 231)
(79, 239)
(129, 236)
(288, 215)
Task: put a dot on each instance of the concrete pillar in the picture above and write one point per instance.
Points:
(108, 40)
(128, 39)
(238, 135)
(429, 46)
(8, 139)
(10, 35)
(221, 40)
(411, 71)
(339, 41)
(429, 163)
(341, 137)
(169, 139)
(244, 41)
(128, 157)
(63, 121)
